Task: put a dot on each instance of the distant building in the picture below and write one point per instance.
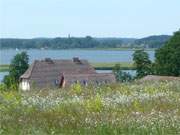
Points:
(50, 73)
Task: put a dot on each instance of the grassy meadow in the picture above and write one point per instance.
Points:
(128, 109)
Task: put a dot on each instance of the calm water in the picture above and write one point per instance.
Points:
(91, 55)
(2, 74)
(131, 72)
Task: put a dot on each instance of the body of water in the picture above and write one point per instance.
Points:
(91, 55)
(2, 74)
(131, 72)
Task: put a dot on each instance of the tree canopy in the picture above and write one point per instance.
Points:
(18, 66)
(120, 75)
(168, 57)
(142, 63)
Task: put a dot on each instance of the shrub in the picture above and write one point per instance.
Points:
(3, 87)
(77, 88)
(142, 63)
(120, 75)
(94, 104)
(10, 83)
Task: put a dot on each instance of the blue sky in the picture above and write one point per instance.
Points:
(98, 18)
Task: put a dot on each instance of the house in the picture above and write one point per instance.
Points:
(50, 73)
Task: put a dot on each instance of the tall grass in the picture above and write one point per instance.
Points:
(133, 109)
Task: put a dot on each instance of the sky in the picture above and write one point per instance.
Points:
(79, 18)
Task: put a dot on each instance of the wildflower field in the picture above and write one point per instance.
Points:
(149, 108)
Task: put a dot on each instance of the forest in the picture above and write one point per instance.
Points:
(83, 42)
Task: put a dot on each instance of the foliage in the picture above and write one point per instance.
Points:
(10, 83)
(76, 88)
(18, 66)
(142, 63)
(153, 41)
(59, 43)
(94, 104)
(86, 42)
(3, 87)
(120, 75)
(168, 57)
(130, 108)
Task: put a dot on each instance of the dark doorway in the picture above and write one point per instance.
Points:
(61, 85)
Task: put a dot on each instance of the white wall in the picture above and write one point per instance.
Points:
(24, 85)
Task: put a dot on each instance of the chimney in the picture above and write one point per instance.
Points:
(49, 60)
(76, 60)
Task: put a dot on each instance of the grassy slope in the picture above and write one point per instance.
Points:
(136, 108)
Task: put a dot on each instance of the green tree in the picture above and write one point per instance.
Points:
(18, 66)
(142, 63)
(10, 83)
(168, 57)
(120, 75)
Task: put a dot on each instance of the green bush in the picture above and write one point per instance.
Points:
(3, 87)
(94, 104)
(120, 75)
(142, 63)
(77, 88)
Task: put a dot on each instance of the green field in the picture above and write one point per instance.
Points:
(4, 68)
(110, 65)
(129, 109)
(98, 66)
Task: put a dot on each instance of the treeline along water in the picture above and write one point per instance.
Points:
(91, 55)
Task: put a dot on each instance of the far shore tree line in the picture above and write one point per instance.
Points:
(83, 42)
(167, 63)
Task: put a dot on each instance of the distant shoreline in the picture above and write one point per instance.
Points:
(87, 49)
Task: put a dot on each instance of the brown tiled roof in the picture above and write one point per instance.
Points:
(42, 67)
(90, 78)
(28, 72)
(45, 72)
